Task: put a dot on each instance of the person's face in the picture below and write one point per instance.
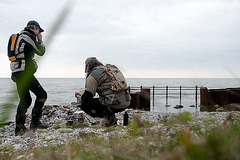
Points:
(36, 30)
(86, 68)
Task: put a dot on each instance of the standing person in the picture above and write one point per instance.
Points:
(110, 101)
(23, 67)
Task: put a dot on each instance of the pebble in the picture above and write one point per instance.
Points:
(20, 157)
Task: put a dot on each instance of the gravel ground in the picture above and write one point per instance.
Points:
(58, 133)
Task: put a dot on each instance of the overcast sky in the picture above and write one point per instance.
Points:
(144, 38)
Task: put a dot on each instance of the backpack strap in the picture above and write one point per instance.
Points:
(93, 70)
(98, 68)
(104, 84)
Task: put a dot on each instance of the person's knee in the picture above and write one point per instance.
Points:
(92, 110)
(22, 109)
(42, 97)
(29, 101)
(88, 109)
(25, 102)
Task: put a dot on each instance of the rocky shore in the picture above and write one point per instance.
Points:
(61, 120)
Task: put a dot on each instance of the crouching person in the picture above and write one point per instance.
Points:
(111, 87)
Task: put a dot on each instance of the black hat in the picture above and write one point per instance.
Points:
(35, 23)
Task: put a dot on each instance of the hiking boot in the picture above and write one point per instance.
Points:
(110, 120)
(20, 130)
(38, 125)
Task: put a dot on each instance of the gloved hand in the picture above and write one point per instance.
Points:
(78, 95)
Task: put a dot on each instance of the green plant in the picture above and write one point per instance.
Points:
(78, 125)
(113, 128)
(186, 116)
(57, 127)
(6, 149)
(148, 123)
(87, 135)
(134, 128)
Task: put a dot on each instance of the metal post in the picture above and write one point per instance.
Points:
(196, 96)
(153, 96)
(166, 95)
(180, 95)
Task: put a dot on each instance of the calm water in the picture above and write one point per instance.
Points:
(61, 91)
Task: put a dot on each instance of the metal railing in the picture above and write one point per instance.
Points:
(168, 91)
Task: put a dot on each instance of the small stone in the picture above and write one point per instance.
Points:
(20, 157)
(78, 114)
(178, 106)
(65, 130)
(18, 146)
(1, 135)
(220, 109)
(30, 156)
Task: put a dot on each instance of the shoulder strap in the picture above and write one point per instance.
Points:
(93, 70)
(98, 68)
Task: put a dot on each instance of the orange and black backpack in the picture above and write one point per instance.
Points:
(11, 47)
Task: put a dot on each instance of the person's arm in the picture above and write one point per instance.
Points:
(90, 90)
(40, 45)
(37, 45)
(87, 96)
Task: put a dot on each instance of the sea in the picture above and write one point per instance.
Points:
(167, 93)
